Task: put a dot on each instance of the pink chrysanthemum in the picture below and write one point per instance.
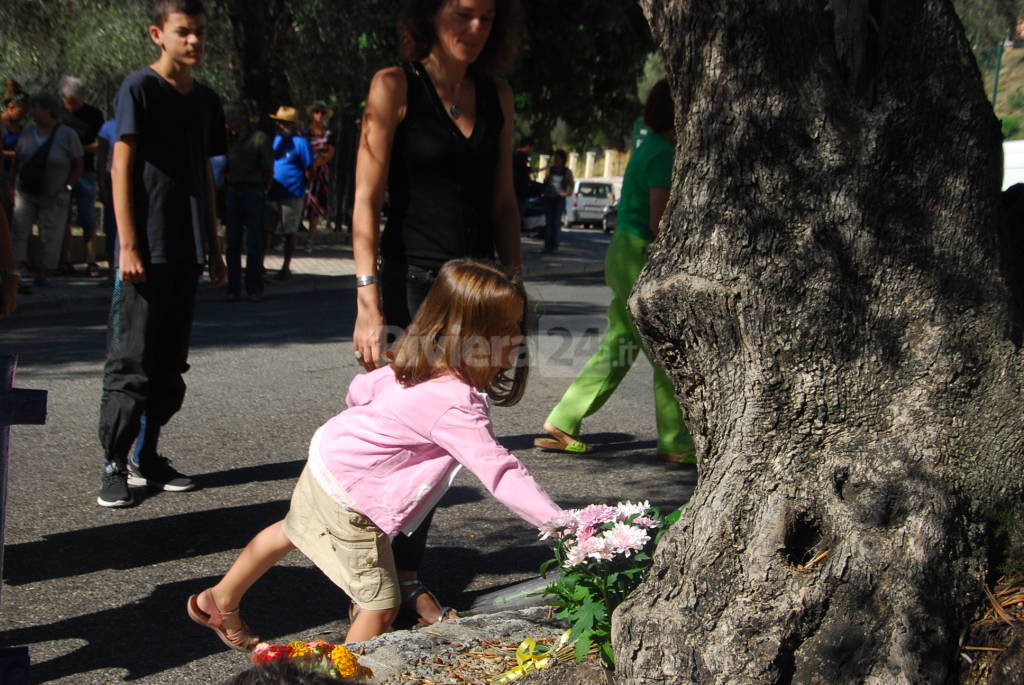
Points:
(594, 515)
(645, 522)
(574, 556)
(627, 509)
(597, 548)
(560, 525)
(625, 539)
(590, 548)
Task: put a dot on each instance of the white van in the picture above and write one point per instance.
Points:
(589, 199)
(1013, 163)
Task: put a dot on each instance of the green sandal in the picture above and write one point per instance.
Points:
(556, 444)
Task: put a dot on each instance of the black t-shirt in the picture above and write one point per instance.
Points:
(175, 136)
(441, 183)
(86, 122)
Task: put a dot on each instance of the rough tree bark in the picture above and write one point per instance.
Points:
(831, 297)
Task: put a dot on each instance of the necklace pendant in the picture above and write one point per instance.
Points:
(454, 111)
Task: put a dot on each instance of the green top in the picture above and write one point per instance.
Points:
(649, 167)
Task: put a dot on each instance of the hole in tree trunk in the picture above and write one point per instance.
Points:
(803, 539)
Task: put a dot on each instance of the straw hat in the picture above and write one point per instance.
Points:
(286, 114)
(320, 104)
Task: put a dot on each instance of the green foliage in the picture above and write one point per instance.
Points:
(988, 22)
(1011, 126)
(100, 41)
(332, 49)
(589, 590)
(579, 67)
(1016, 100)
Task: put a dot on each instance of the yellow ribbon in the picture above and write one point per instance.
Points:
(530, 657)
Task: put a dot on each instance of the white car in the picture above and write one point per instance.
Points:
(589, 200)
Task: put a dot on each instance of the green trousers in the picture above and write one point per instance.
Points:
(615, 355)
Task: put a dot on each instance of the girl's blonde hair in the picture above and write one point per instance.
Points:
(460, 329)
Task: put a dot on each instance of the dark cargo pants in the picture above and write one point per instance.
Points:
(148, 335)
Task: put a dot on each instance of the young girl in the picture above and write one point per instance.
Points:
(378, 468)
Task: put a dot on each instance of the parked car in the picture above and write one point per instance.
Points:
(611, 213)
(589, 200)
(534, 219)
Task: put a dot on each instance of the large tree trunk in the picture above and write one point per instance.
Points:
(259, 29)
(830, 297)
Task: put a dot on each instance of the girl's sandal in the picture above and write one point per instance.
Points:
(242, 640)
(418, 588)
(557, 443)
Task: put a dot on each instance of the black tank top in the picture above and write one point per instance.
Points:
(441, 183)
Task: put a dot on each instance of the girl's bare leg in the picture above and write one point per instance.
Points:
(262, 552)
(370, 623)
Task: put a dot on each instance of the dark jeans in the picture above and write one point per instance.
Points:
(403, 288)
(554, 208)
(83, 198)
(244, 209)
(148, 335)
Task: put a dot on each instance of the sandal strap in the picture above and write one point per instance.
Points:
(418, 589)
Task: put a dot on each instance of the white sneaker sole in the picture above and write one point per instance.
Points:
(115, 504)
(140, 482)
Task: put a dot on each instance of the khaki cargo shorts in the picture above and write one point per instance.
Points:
(353, 552)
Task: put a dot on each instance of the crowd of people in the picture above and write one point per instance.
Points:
(57, 161)
(441, 308)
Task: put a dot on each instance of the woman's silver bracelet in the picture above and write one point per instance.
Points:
(365, 280)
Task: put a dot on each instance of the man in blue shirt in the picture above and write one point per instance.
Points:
(292, 157)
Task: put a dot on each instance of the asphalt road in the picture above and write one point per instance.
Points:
(99, 594)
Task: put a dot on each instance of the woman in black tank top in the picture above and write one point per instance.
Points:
(437, 135)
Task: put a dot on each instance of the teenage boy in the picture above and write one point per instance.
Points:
(168, 126)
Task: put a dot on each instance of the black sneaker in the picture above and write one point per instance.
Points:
(158, 472)
(114, 490)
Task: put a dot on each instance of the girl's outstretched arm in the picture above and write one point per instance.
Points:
(465, 434)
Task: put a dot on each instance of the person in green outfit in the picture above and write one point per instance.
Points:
(645, 193)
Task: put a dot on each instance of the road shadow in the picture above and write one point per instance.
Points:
(599, 441)
(284, 470)
(135, 636)
(80, 336)
(134, 544)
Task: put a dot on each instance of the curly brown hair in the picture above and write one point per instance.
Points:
(416, 34)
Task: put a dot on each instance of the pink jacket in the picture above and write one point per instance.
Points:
(393, 452)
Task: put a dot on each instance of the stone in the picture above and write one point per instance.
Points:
(434, 652)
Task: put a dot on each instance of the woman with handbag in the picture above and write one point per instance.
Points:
(47, 163)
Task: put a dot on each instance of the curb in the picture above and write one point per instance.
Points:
(81, 298)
